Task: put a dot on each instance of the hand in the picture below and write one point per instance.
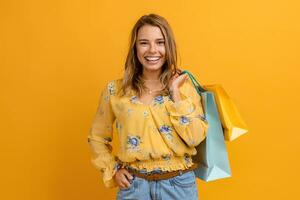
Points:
(177, 80)
(121, 177)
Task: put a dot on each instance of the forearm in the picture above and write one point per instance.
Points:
(186, 115)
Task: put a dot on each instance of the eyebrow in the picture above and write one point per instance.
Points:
(148, 40)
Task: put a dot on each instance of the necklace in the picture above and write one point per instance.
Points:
(150, 91)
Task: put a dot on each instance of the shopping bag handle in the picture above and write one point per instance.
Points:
(196, 84)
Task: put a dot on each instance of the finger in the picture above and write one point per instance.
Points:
(126, 183)
(128, 175)
(186, 77)
(182, 76)
(121, 185)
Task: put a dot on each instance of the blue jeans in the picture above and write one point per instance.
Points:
(181, 187)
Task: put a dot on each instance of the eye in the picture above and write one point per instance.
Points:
(143, 43)
(161, 42)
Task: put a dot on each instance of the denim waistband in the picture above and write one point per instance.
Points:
(144, 171)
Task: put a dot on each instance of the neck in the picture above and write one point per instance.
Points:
(151, 75)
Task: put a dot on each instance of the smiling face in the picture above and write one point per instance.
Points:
(150, 47)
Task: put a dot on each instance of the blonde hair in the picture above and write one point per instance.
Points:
(133, 68)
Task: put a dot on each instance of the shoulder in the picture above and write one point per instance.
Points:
(113, 86)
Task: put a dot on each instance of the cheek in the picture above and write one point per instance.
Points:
(141, 50)
(162, 50)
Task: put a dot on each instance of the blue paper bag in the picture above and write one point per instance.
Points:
(211, 154)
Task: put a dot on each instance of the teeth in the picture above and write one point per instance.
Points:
(152, 58)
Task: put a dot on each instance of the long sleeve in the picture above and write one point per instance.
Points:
(100, 136)
(187, 115)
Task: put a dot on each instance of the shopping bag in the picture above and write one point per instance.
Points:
(211, 154)
(231, 120)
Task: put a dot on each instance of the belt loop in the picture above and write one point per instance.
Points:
(180, 172)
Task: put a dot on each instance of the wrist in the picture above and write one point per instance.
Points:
(174, 94)
(173, 88)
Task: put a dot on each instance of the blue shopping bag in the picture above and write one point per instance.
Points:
(211, 154)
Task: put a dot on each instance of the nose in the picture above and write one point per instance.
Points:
(152, 48)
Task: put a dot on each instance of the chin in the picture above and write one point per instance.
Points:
(153, 67)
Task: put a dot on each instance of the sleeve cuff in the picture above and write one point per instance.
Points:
(108, 176)
(181, 107)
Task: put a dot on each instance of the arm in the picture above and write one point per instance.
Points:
(100, 136)
(186, 114)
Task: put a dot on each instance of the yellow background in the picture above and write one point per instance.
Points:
(56, 55)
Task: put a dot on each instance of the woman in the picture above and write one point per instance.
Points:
(159, 120)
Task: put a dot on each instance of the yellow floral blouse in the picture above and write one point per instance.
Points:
(161, 135)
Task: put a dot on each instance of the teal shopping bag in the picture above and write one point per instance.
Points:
(211, 152)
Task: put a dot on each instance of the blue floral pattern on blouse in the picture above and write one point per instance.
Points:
(133, 142)
(187, 159)
(146, 130)
(134, 99)
(166, 157)
(111, 88)
(146, 113)
(129, 111)
(166, 130)
(118, 125)
(184, 120)
(159, 99)
(202, 117)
